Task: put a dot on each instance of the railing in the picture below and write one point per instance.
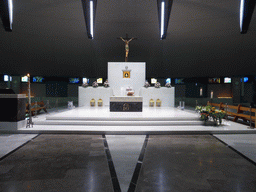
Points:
(240, 111)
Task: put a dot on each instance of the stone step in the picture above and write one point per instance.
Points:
(119, 123)
(122, 118)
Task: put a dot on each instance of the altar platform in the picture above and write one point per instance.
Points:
(99, 120)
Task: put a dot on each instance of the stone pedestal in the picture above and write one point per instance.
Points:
(13, 111)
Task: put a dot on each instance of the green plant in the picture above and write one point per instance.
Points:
(209, 111)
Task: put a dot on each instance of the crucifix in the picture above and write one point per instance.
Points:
(126, 40)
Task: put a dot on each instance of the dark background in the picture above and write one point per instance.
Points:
(203, 39)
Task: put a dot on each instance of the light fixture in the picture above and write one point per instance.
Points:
(6, 14)
(10, 6)
(7, 78)
(24, 79)
(162, 19)
(100, 80)
(89, 8)
(85, 80)
(246, 11)
(91, 18)
(164, 10)
(241, 14)
(201, 91)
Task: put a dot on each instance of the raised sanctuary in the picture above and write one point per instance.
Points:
(126, 91)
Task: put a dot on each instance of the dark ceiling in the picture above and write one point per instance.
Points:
(203, 39)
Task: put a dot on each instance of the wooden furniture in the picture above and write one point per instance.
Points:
(240, 111)
(36, 107)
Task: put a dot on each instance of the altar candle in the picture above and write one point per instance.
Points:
(211, 94)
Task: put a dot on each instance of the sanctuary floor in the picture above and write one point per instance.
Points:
(75, 157)
(152, 163)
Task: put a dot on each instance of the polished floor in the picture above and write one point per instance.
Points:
(72, 162)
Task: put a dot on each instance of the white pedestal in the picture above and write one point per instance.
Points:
(86, 94)
(11, 126)
(166, 95)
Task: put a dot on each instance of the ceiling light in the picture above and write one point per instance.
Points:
(164, 10)
(6, 14)
(241, 14)
(89, 8)
(91, 18)
(10, 6)
(162, 19)
(246, 11)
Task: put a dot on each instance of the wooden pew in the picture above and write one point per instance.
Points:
(239, 111)
(36, 107)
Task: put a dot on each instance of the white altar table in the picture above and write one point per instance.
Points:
(86, 94)
(126, 99)
(166, 95)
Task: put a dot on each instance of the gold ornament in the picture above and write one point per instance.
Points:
(100, 103)
(158, 103)
(151, 103)
(92, 102)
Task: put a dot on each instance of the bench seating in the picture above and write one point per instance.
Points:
(36, 107)
(241, 112)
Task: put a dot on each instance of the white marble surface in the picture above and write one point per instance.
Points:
(244, 143)
(151, 112)
(86, 94)
(13, 125)
(10, 142)
(125, 151)
(82, 112)
(126, 99)
(166, 95)
(117, 82)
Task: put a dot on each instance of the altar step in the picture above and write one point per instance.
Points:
(120, 121)
(127, 118)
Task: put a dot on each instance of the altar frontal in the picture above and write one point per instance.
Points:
(126, 104)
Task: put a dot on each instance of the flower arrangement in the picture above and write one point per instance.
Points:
(157, 85)
(106, 84)
(168, 85)
(95, 84)
(208, 111)
(146, 85)
(85, 84)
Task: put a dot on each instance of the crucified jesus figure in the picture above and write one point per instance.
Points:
(126, 40)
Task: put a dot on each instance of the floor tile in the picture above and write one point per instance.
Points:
(192, 163)
(57, 163)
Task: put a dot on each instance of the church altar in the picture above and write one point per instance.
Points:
(166, 95)
(126, 104)
(123, 75)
